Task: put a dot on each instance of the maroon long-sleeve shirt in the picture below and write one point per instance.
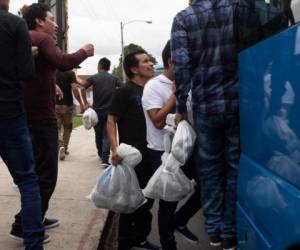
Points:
(39, 93)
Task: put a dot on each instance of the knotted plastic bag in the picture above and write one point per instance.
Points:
(169, 182)
(89, 118)
(118, 189)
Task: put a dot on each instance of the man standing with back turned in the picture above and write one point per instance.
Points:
(104, 86)
(39, 101)
(204, 52)
(16, 65)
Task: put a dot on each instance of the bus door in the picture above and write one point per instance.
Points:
(268, 208)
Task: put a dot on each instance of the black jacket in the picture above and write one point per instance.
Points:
(16, 64)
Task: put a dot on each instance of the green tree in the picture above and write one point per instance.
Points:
(117, 71)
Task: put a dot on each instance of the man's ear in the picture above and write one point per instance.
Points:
(134, 70)
(39, 22)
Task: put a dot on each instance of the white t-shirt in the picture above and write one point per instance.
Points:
(156, 92)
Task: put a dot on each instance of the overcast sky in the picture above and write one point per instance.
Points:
(98, 22)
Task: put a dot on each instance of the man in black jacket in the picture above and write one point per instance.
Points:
(16, 64)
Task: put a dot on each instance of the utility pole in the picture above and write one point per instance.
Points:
(122, 48)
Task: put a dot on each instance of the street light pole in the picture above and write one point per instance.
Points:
(122, 48)
(122, 43)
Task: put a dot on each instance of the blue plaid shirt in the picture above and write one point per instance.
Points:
(204, 53)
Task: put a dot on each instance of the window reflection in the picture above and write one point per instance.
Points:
(272, 16)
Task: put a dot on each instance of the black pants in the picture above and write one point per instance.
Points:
(44, 136)
(168, 219)
(101, 137)
(134, 228)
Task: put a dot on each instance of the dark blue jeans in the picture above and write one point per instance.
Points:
(101, 137)
(44, 137)
(218, 149)
(168, 219)
(16, 152)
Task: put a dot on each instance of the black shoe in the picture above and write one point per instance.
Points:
(50, 223)
(229, 244)
(215, 241)
(18, 235)
(187, 234)
(146, 245)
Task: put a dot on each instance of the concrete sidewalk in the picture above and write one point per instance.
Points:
(80, 221)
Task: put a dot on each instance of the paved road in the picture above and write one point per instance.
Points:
(196, 226)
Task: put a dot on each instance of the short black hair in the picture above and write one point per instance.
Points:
(166, 54)
(104, 63)
(35, 11)
(131, 61)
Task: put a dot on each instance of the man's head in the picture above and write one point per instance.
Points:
(4, 5)
(138, 65)
(190, 2)
(39, 17)
(104, 64)
(167, 61)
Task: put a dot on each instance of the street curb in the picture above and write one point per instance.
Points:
(108, 237)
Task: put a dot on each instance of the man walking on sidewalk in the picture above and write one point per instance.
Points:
(39, 98)
(204, 53)
(67, 82)
(104, 86)
(159, 101)
(16, 65)
(126, 113)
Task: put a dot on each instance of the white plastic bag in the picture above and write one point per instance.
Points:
(183, 142)
(131, 156)
(169, 183)
(89, 118)
(118, 189)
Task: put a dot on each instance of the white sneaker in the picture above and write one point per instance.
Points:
(62, 153)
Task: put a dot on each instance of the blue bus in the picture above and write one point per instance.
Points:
(268, 207)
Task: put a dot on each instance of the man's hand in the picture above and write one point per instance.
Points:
(116, 159)
(179, 117)
(34, 51)
(82, 109)
(59, 93)
(89, 49)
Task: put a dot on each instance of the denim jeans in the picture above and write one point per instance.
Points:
(218, 151)
(101, 136)
(134, 228)
(44, 137)
(168, 218)
(16, 152)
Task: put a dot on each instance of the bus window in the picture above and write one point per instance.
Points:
(266, 18)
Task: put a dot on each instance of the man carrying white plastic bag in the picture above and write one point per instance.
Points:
(118, 189)
(126, 118)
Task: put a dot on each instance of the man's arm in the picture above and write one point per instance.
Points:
(181, 57)
(158, 116)
(77, 96)
(84, 86)
(59, 92)
(112, 136)
(24, 59)
(60, 60)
